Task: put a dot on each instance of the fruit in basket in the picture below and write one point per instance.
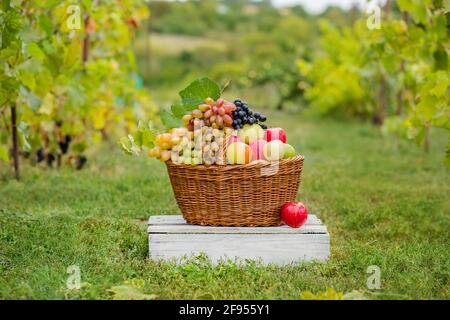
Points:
(239, 153)
(244, 115)
(294, 214)
(250, 133)
(257, 147)
(165, 155)
(275, 134)
(274, 150)
(217, 114)
(234, 138)
(289, 151)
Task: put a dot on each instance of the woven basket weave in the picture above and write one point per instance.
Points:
(235, 195)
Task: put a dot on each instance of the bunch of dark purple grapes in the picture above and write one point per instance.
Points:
(244, 115)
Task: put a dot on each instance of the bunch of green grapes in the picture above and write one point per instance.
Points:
(184, 152)
(165, 142)
(203, 145)
(211, 142)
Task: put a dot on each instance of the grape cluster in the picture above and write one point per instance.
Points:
(244, 115)
(207, 128)
(211, 142)
(184, 152)
(204, 145)
(215, 114)
(165, 142)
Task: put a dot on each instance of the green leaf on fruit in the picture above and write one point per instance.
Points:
(169, 120)
(145, 136)
(179, 110)
(198, 91)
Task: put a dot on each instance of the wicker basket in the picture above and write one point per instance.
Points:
(235, 195)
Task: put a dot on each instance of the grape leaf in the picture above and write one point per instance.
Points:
(24, 133)
(27, 78)
(179, 110)
(198, 91)
(145, 136)
(125, 145)
(440, 59)
(46, 24)
(4, 154)
(35, 51)
(5, 4)
(48, 104)
(12, 24)
(169, 120)
(128, 144)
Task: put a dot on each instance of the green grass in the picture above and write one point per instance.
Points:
(385, 203)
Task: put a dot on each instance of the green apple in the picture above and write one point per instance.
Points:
(274, 150)
(289, 151)
(250, 133)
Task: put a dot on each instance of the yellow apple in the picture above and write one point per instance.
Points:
(239, 153)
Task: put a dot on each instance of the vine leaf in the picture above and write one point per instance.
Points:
(169, 120)
(198, 91)
(4, 154)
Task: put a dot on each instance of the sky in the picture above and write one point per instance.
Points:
(317, 6)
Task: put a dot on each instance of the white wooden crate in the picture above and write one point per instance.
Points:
(170, 237)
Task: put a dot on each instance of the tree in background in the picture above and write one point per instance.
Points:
(397, 75)
(68, 77)
(250, 42)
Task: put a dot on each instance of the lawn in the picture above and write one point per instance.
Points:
(385, 203)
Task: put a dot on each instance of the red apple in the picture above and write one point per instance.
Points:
(275, 134)
(257, 147)
(234, 139)
(294, 214)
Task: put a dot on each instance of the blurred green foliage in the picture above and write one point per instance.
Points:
(254, 44)
(331, 63)
(70, 72)
(397, 74)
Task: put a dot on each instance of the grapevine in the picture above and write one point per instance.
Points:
(68, 85)
(397, 75)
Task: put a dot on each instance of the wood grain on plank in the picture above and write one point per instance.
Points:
(186, 228)
(170, 237)
(278, 249)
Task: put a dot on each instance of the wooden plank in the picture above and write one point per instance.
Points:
(192, 229)
(178, 219)
(170, 237)
(280, 249)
